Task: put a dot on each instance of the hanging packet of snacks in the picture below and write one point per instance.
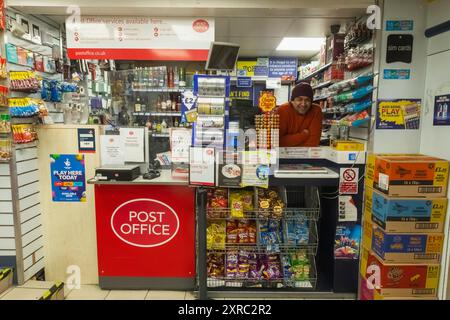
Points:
(3, 73)
(4, 91)
(27, 107)
(24, 133)
(5, 123)
(5, 149)
(24, 81)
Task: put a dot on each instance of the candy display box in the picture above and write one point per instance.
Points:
(385, 280)
(407, 248)
(411, 176)
(408, 215)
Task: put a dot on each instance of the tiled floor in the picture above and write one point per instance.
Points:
(32, 290)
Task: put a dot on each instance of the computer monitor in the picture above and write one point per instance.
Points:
(222, 56)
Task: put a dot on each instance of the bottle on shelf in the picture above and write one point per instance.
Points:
(154, 125)
(158, 104)
(166, 76)
(178, 105)
(164, 126)
(158, 127)
(137, 105)
(148, 124)
(176, 77)
(169, 77)
(145, 78)
(176, 124)
(143, 105)
(174, 103)
(182, 77)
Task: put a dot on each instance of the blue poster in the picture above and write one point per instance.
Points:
(347, 242)
(244, 82)
(441, 112)
(284, 68)
(399, 25)
(397, 74)
(86, 140)
(68, 176)
(188, 106)
(261, 71)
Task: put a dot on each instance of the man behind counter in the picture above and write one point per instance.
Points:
(300, 119)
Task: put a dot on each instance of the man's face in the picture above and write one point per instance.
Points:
(302, 105)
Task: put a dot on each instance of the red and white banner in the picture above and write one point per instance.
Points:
(139, 38)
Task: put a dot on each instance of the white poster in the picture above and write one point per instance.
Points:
(131, 38)
(347, 209)
(256, 168)
(180, 143)
(202, 166)
(111, 152)
(132, 141)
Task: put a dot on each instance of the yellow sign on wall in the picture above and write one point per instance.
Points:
(247, 68)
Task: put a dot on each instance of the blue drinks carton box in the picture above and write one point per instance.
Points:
(407, 248)
(409, 215)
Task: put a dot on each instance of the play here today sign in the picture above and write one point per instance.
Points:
(139, 38)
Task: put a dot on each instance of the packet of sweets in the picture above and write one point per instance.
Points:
(237, 205)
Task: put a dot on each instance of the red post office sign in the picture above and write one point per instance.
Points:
(145, 231)
(145, 223)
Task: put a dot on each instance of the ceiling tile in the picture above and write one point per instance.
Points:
(259, 27)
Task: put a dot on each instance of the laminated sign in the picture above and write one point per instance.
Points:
(399, 114)
(348, 181)
(68, 177)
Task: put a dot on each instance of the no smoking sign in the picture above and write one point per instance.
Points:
(348, 181)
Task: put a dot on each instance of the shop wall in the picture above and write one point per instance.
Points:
(69, 227)
(435, 139)
(402, 141)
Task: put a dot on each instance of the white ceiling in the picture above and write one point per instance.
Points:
(258, 26)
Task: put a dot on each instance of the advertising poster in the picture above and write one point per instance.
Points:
(140, 38)
(188, 106)
(347, 242)
(441, 112)
(229, 169)
(202, 166)
(241, 93)
(401, 114)
(397, 74)
(68, 176)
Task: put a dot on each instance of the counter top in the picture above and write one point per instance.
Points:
(164, 179)
(331, 178)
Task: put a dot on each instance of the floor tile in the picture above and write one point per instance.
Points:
(24, 294)
(190, 296)
(5, 292)
(165, 295)
(35, 284)
(88, 292)
(127, 295)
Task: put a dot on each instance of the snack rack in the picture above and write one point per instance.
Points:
(283, 253)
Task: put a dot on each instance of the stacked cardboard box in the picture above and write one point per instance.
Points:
(404, 213)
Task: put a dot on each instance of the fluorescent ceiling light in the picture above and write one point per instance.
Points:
(300, 44)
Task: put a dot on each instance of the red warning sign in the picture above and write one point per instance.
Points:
(348, 181)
